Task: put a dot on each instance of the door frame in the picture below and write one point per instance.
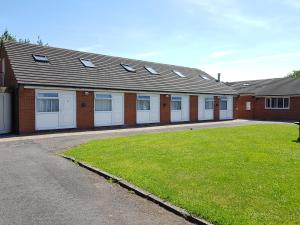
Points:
(60, 92)
(7, 113)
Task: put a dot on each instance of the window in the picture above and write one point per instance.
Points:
(143, 102)
(176, 103)
(223, 103)
(47, 102)
(277, 103)
(103, 103)
(248, 106)
(178, 73)
(151, 70)
(209, 103)
(246, 84)
(205, 77)
(87, 63)
(40, 58)
(128, 68)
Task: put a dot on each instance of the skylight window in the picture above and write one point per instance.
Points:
(178, 73)
(87, 63)
(151, 70)
(246, 84)
(128, 68)
(40, 58)
(205, 77)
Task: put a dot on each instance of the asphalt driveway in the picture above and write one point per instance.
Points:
(39, 187)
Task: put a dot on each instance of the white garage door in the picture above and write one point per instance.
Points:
(226, 108)
(5, 113)
(109, 109)
(55, 109)
(206, 107)
(148, 108)
(180, 108)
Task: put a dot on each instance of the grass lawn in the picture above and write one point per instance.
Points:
(233, 175)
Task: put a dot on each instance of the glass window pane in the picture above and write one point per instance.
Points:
(40, 58)
(176, 98)
(48, 95)
(103, 105)
(274, 102)
(143, 104)
(209, 103)
(223, 105)
(103, 96)
(87, 63)
(286, 102)
(280, 103)
(179, 73)
(140, 97)
(151, 70)
(47, 105)
(176, 105)
(128, 68)
(268, 103)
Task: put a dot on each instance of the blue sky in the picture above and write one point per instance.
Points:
(241, 39)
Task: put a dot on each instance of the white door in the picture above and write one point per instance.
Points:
(226, 107)
(180, 108)
(148, 108)
(109, 109)
(55, 109)
(5, 113)
(206, 107)
(67, 105)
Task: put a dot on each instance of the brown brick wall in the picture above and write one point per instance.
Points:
(240, 109)
(216, 108)
(193, 108)
(277, 114)
(85, 109)
(165, 109)
(9, 80)
(130, 109)
(26, 110)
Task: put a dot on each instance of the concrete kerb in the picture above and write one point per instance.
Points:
(168, 206)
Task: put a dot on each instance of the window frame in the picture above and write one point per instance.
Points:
(179, 74)
(248, 106)
(38, 58)
(151, 70)
(85, 63)
(278, 97)
(47, 98)
(128, 68)
(224, 97)
(209, 99)
(104, 98)
(179, 97)
(137, 102)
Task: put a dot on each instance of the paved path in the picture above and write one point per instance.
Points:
(39, 187)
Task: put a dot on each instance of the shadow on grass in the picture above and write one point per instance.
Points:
(296, 141)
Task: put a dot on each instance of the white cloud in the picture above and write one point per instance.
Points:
(294, 3)
(220, 54)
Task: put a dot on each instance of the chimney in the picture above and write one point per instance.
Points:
(219, 77)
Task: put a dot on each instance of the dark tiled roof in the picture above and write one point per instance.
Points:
(268, 87)
(65, 69)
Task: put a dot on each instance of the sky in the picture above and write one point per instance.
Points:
(242, 40)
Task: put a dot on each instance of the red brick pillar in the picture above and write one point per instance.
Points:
(193, 108)
(130, 109)
(85, 109)
(26, 110)
(165, 109)
(216, 108)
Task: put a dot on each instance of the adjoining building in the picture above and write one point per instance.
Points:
(269, 99)
(47, 88)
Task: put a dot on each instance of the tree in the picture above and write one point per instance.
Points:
(294, 74)
(6, 36)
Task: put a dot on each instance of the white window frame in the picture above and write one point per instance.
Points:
(277, 97)
(105, 98)
(209, 99)
(248, 106)
(224, 99)
(176, 101)
(137, 102)
(46, 98)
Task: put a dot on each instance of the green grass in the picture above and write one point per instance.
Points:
(236, 175)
